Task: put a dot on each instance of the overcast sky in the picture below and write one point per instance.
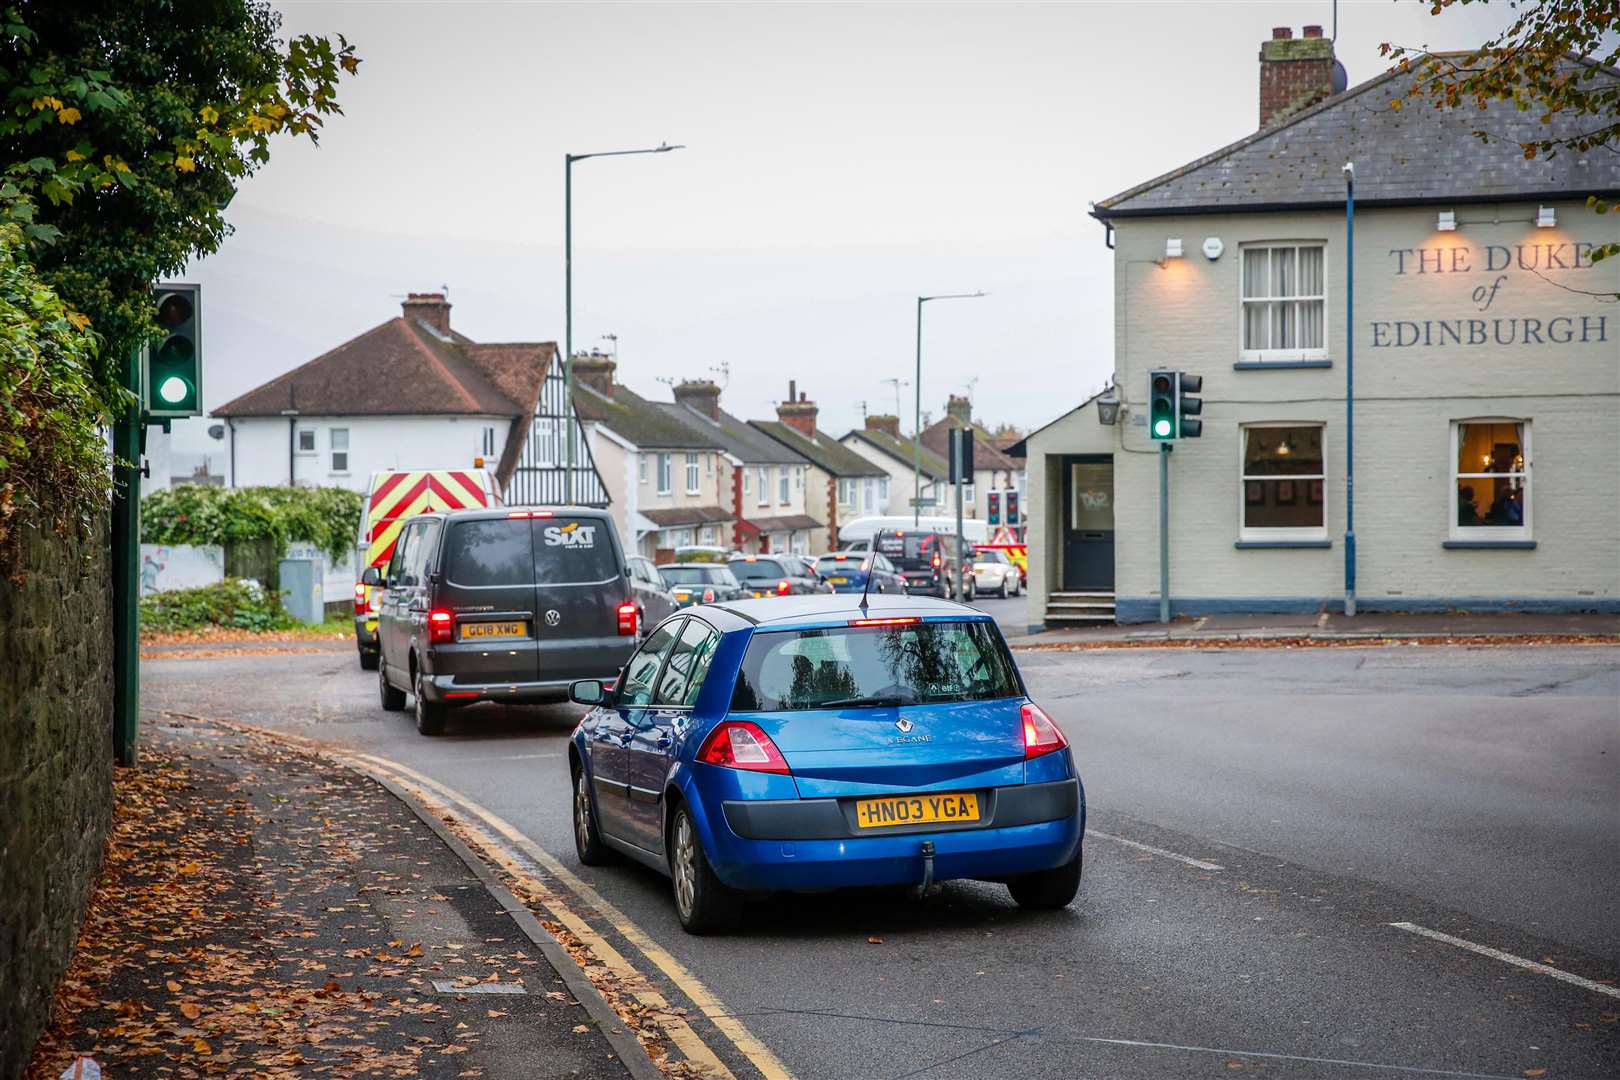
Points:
(842, 159)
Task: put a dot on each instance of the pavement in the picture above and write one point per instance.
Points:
(266, 913)
(1376, 862)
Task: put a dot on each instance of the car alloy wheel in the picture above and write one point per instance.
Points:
(683, 867)
(587, 840)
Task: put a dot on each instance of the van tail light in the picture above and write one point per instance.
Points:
(738, 744)
(359, 599)
(1041, 736)
(627, 619)
(936, 562)
(708, 596)
(439, 625)
(782, 587)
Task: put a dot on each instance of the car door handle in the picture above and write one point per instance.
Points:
(665, 742)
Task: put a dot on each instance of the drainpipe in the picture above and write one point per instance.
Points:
(230, 422)
(1350, 388)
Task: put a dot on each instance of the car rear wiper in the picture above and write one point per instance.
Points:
(889, 700)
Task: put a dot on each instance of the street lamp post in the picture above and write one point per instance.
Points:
(916, 442)
(568, 300)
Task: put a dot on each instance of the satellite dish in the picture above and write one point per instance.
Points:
(216, 431)
(1341, 78)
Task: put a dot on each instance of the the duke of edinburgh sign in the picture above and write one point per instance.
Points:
(1497, 270)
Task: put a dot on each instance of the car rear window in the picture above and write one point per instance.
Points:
(492, 551)
(910, 664)
(831, 564)
(758, 570)
(693, 575)
(574, 551)
(913, 551)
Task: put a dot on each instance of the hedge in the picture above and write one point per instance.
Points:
(327, 517)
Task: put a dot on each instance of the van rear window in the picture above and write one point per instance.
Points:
(574, 551)
(522, 551)
(489, 552)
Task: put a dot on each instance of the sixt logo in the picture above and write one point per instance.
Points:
(572, 535)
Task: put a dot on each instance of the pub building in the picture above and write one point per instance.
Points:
(1486, 370)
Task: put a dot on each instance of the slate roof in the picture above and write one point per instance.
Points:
(1416, 155)
(936, 437)
(933, 465)
(736, 437)
(641, 421)
(824, 451)
(669, 516)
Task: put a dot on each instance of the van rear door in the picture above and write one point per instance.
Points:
(579, 584)
(488, 585)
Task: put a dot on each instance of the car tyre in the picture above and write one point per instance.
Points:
(392, 700)
(1047, 890)
(703, 903)
(587, 834)
(369, 659)
(1004, 593)
(429, 714)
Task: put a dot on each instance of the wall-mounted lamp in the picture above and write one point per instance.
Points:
(1108, 409)
(1447, 221)
(1546, 218)
(1172, 248)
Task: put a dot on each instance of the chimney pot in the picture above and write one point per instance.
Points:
(431, 307)
(1313, 31)
(1294, 74)
(1282, 33)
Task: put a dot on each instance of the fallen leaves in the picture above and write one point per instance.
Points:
(190, 1011)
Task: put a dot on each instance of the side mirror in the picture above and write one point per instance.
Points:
(588, 692)
(371, 576)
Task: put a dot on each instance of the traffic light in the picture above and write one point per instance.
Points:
(992, 507)
(172, 380)
(1012, 509)
(964, 436)
(1162, 414)
(1188, 406)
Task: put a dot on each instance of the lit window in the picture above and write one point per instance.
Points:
(1284, 298)
(692, 486)
(1284, 478)
(666, 477)
(340, 449)
(1492, 479)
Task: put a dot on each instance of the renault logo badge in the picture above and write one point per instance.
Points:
(904, 725)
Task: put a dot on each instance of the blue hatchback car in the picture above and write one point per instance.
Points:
(814, 742)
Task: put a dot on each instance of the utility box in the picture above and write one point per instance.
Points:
(301, 592)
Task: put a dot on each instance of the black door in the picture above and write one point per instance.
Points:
(1088, 523)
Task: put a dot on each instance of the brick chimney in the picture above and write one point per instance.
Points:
(701, 395)
(798, 412)
(595, 370)
(889, 425)
(959, 408)
(1295, 73)
(431, 307)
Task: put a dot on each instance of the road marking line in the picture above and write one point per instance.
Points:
(1509, 958)
(1151, 850)
(718, 1013)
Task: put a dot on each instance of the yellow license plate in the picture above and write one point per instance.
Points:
(839, 580)
(759, 596)
(916, 810)
(371, 626)
(492, 630)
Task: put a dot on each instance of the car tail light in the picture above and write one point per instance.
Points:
(898, 620)
(782, 587)
(439, 628)
(1041, 736)
(359, 599)
(708, 596)
(627, 618)
(738, 744)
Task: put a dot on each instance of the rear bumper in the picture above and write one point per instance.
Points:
(445, 688)
(366, 639)
(814, 844)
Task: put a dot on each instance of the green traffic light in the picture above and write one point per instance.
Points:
(1161, 428)
(174, 390)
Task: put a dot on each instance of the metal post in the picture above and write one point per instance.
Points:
(568, 329)
(1164, 532)
(126, 552)
(958, 464)
(1349, 389)
(916, 431)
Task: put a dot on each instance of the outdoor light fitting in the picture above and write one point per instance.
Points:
(1447, 221)
(1546, 218)
(1172, 248)
(1108, 409)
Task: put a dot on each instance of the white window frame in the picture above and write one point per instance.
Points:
(1261, 534)
(545, 433)
(1490, 532)
(666, 473)
(336, 450)
(694, 479)
(748, 481)
(1264, 355)
(764, 492)
(883, 490)
(784, 486)
(798, 477)
(489, 441)
(312, 448)
(641, 468)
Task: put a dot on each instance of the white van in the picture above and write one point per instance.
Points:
(974, 531)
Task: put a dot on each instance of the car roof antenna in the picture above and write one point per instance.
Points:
(871, 568)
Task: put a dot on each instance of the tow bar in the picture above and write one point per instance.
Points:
(927, 852)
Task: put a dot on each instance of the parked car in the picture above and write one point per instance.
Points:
(927, 561)
(769, 575)
(810, 568)
(501, 605)
(701, 583)
(847, 571)
(994, 572)
(800, 745)
(655, 602)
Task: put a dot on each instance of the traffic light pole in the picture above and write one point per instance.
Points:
(1349, 389)
(126, 557)
(1164, 532)
(958, 466)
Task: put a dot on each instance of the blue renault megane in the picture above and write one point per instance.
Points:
(821, 742)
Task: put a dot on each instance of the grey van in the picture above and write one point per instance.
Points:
(501, 604)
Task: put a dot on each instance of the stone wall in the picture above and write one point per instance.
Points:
(55, 768)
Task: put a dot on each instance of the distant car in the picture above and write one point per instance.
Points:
(701, 583)
(501, 605)
(927, 560)
(810, 567)
(811, 743)
(654, 600)
(994, 572)
(768, 575)
(847, 571)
